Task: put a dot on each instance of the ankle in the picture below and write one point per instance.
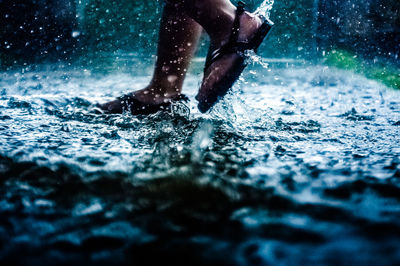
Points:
(248, 24)
(162, 90)
(221, 27)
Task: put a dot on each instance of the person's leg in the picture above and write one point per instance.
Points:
(177, 30)
(178, 38)
(216, 17)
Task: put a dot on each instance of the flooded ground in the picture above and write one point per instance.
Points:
(298, 165)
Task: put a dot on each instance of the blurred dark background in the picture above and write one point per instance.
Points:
(370, 27)
(32, 31)
(63, 30)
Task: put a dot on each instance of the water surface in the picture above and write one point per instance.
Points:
(297, 164)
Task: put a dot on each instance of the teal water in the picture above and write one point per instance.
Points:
(299, 164)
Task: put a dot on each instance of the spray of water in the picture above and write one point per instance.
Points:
(265, 8)
(253, 58)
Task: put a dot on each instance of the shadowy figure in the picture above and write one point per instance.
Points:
(232, 31)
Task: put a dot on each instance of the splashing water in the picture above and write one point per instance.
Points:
(297, 161)
(253, 58)
(265, 8)
(300, 164)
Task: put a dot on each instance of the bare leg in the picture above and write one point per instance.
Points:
(216, 17)
(179, 33)
(178, 38)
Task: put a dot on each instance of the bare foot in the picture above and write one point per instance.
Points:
(226, 70)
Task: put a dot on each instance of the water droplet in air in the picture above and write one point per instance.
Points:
(75, 34)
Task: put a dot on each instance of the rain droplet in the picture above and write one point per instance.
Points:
(75, 34)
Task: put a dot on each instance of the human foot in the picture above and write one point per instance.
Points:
(146, 101)
(226, 59)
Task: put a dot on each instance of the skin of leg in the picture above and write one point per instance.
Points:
(216, 17)
(178, 29)
(178, 38)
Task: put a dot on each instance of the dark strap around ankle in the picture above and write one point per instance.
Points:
(240, 8)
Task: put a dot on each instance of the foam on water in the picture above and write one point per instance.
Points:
(293, 159)
(265, 8)
(296, 165)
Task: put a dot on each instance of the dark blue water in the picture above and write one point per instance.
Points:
(298, 165)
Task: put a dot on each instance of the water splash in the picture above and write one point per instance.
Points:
(202, 139)
(265, 8)
(253, 58)
(233, 177)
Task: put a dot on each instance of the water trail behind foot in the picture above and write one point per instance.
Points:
(265, 8)
(253, 58)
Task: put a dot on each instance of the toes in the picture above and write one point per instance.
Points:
(111, 107)
(204, 106)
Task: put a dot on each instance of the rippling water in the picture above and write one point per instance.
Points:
(297, 165)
